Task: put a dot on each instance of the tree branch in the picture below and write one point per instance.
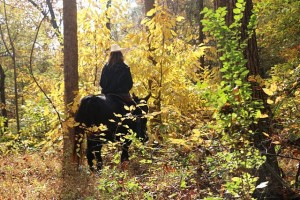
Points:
(39, 8)
(52, 17)
(34, 78)
(282, 156)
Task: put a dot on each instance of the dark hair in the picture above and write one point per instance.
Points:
(115, 57)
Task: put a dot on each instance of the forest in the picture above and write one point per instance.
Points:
(222, 77)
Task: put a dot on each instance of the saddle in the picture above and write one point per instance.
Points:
(125, 99)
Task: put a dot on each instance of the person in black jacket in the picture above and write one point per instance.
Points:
(116, 77)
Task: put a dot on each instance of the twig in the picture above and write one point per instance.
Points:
(282, 156)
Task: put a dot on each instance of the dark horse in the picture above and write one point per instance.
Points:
(106, 118)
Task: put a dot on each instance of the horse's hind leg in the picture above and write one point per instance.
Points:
(93, 155)
(125, 154)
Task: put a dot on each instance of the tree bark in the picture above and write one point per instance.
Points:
(149, 4)
(2, 97)
(12, 54)
(108, 23)
(70, 186)
(229, 4)
(53, 19)
(270, 170)
(200, 6)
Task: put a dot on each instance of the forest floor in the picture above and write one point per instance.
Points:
(29, 176)
(36, 175)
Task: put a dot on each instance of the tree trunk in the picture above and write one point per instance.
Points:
(269, 171)
(108, 23)
(230, 4)
(2, 97)
(12, 54)
(199, 16)
(70, 184)
(149, 4)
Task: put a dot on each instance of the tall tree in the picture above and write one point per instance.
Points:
(71, 90)
(108, 23)
(2, 96)
(10, 49)
(200, 6)
(270, 169)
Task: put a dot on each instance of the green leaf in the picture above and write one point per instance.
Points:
(183, 184)
(236, 11)
(238, 82)
(239, 5)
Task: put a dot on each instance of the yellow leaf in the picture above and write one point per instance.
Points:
(268, 91)
(263, 116)
(278, 99)
(266, 134)
(196, 132)
(273, 87)
(144, 21)
(179, 19)
(151, 12)
(118, 115)
(269, 101)
(178, 141)
(276, 142)
(251, 78)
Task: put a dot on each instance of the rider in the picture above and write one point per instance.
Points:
(116, 77)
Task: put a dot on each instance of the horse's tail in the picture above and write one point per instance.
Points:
(79, 129)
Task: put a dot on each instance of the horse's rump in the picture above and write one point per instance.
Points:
(104, 118)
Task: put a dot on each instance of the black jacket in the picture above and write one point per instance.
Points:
(116, 79)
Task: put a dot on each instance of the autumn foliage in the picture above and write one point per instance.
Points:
(201, 144)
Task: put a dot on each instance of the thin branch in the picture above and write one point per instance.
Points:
(4, 42)
(282, 156)
(39, 8)
(34, 78)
